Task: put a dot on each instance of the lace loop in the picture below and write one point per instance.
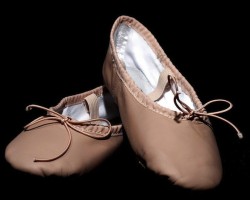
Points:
(190, 113)
(69, 123)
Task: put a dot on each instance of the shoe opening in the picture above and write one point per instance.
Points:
(80, 111)
(143, 66)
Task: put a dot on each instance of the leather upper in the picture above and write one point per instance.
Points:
(184, 150)
(63, 148)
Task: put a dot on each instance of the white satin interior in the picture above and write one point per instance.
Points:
(142, 65)
(107, 109)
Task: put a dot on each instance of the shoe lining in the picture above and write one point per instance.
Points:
(107, 109)
(143, 65)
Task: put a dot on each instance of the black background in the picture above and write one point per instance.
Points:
(50, 52)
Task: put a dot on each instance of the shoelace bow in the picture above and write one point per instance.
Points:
(68, 123)
(190, 113)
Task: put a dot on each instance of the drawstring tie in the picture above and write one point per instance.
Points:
(69, 123)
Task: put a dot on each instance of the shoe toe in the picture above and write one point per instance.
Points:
(47, 141)
(188, 156)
